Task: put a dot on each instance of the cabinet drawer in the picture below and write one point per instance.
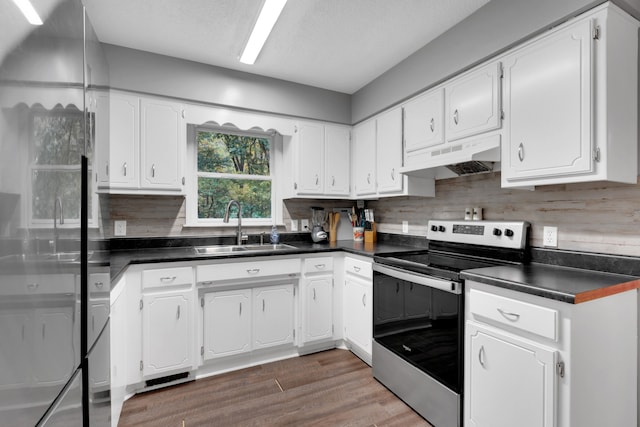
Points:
(247, 270)
(521, 315)
(37, 284)
(99, 282)
(358, 267)
(163, 277)
(317, 265)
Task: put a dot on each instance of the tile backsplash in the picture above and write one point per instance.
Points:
(594, 217)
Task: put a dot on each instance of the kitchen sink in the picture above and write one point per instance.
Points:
(44, 258)
(229, 249)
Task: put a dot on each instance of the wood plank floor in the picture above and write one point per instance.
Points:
(331, 388)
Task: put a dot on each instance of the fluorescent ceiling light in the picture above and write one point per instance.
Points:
(28, 11)
(269, 14)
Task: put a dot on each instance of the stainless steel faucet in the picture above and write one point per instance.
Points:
(56, 204)
(240, 238)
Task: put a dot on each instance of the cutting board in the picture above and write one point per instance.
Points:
(345, 232)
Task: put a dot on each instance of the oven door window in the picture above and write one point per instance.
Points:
(420, 324)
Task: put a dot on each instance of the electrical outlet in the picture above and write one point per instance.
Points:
(405, 227)
(550, 236)
(294, 225)
(305, 224)
(119, 228)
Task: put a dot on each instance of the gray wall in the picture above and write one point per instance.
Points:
(492, 29)
(162, 75)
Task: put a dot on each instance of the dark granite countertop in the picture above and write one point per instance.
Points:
(121, 259)
(566, 284)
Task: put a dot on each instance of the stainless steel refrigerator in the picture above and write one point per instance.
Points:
(54, 327)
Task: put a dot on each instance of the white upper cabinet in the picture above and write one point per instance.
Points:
(473, 102)
(424, 122)
(162, 142)
(571, 103)
(318, 157)
(389, 151)
(364, 158)
(146, 142)
(337, 148)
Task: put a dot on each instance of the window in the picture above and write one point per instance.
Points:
(57, 145)
(237, 166)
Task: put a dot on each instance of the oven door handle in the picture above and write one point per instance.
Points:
(419, 279)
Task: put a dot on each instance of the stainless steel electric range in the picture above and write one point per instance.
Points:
(418, 311)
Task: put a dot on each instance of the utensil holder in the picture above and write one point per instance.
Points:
(370, 235)
(358, 234)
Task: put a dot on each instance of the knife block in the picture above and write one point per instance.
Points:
(370, 235)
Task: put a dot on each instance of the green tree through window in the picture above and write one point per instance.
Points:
(233, 166)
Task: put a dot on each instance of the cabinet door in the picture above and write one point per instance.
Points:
(317, 316)
(101, 161)
(124, 141)
(17, 348)
(54, 346)
(363, 158)
(473, 103)
(389, 151)
(358, 313)
(162, 142)
(337, 160)
(424, 121)
(227, 323)
(311, 159)
(548, 106)
(272, 316)
(166, 332)
(511, 382)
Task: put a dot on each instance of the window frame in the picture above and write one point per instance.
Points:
(192, 219)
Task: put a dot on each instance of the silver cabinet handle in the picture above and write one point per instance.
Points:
(314, 294)
(153, 171)
(512, 317)
(432, 124)
(364, 302)
(98, 285)
(521, 152)
(167, 279)
(368, 178)
(481, 356)
(393, 174)
(240, 309)
(106, 169)
(124, 169)
(317, 179)
(333, 181)
(253, 271)
(356, 269)
(33, 286)
(397, 287)
(455, 116)
(178, 313)
(263, 305)
(44, 325)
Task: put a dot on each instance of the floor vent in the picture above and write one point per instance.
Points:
(168, 379)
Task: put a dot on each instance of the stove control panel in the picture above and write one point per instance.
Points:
(502, 234)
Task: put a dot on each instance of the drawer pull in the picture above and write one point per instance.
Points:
(314, 294)
(178, 314)
(356, 269)
(320, 266)
(512, 317)
(206, 283)
(253, 271)
(481, 356)
(240, 310)
(33, 286)
(364, 302)
(99, 285)
(167, 279)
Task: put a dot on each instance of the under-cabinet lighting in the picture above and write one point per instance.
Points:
(269, 14)
(28, 11)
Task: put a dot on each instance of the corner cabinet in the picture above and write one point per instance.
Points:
(358, 308)
(537, 362)
(571, 103)
(146, 140)
(319, 157)
(316, 300)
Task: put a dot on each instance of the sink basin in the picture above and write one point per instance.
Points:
(57, 257)
(229, 249)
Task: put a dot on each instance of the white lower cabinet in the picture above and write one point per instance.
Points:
(358, 309)
(512, 382)
(536, 362)
(227, 323)
(317, 309)
(273, 316)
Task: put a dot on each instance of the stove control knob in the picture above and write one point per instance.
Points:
(441, 228)
(434, 228)
(497, 232)
(508, 232)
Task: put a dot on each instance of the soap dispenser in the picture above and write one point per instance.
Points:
(275, 236)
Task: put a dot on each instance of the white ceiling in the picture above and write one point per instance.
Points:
(339, 45)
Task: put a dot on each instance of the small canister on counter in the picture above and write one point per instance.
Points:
(477, 214)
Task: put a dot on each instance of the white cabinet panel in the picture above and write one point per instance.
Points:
(364, 158)
(337, 160)
(16, 337)
(389, 151)
(310, 138)
(124, 141)
(473, 103)
(227, 323)
(424, 121)
(317, 318)
(54, 347)
(272, 316)
(512, 382)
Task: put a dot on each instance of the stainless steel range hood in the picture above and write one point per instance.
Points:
(461, 157)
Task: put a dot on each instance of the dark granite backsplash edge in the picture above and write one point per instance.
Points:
(619, 264)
